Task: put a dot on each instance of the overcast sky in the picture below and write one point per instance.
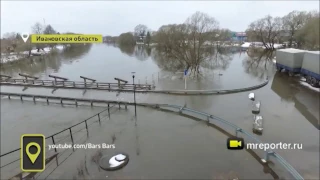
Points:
(113, 18)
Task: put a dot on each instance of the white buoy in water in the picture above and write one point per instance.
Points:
(115, 160)
(258, 123)
(251, 96)
(120, 157)
(256, 107)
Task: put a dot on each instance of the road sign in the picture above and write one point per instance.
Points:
(185, 72)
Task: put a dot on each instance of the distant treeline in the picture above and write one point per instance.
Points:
(299, 27)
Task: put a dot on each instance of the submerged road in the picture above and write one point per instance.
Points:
(275, 123)
(161, 142)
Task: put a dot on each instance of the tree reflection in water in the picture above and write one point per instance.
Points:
(216, 59)
(75, 51)
(141, 52)
(127, 49)
(258, 63)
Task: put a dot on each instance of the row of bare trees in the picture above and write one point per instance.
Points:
(299, 26)
(39, 28)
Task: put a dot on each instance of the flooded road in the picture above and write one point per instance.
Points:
(290, 109)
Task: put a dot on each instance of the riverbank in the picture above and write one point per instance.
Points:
(24, 55)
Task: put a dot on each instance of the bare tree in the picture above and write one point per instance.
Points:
(49, 30)
(308, 36)
(140, 32)
(224, 35)
(267, 30)
(37, 28)
(293, 22)
(185, 43)
(10, 35)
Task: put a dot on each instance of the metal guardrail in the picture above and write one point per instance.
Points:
(237, 130)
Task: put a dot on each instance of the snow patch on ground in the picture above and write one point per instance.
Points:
(274, 60)
(14, 56)
(246, 45)
(309, 86)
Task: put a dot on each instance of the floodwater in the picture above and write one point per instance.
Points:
(290, 109)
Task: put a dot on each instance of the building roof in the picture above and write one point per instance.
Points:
(241, 34)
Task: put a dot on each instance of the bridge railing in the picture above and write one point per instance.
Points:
(52, 83)
(59, 137)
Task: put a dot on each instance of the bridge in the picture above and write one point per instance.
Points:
(118, 87)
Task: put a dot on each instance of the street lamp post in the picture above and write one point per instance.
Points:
(134, 94)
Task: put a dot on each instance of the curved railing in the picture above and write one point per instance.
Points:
(71, 132)
(238, 130)
(139, 88)
(208, 117)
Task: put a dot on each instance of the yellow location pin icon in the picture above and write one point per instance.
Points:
(33, 157)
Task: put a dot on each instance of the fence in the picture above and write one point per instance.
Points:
(70, 132)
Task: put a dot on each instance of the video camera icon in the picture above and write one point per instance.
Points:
(235, 143)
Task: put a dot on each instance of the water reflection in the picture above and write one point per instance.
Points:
(220, 59)
(48, 64)
(76, 52)
(216, 58)
(141, 52)
(33, 66)
(258, 63)
(129, 50)
(304, 99)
